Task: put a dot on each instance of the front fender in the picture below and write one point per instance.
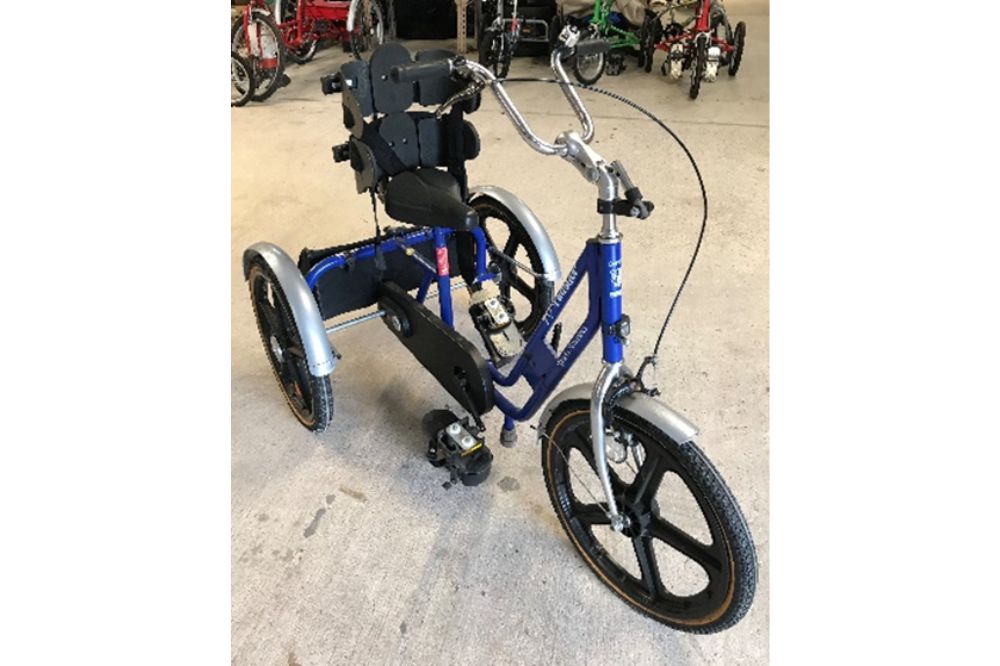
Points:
(531, 224)
(305, 312)
(671, 422)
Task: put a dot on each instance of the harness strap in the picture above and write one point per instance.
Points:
(385, 156)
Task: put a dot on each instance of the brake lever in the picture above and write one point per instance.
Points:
(473, 89)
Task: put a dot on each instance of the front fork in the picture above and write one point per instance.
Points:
(605, 380)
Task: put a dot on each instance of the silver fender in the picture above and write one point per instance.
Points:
(660, 415)
(319, 355)
(540, 237)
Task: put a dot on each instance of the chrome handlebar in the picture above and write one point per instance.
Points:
(485, 78)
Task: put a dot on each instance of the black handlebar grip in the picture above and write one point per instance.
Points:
(420, 70)
(588, 47)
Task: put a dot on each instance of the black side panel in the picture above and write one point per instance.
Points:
(452, 359)
(355, 286)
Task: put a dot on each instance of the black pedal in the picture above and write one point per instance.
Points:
(455, 446)
(616, 64)
(494, 319)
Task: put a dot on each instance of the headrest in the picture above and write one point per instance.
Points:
(369, 88)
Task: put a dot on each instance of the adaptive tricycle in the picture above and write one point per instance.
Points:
(702, 44)
(486, 240)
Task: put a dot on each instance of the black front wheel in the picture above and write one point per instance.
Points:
(686, 558)
(699, 64)
(589, 69)
(309, 397)
(495, 52)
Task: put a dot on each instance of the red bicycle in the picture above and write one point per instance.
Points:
(702, 44)
(266, 44)
(357, 24)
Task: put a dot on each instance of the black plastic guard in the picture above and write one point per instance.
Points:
(451, 358)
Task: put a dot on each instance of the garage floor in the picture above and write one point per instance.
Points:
(345, 547)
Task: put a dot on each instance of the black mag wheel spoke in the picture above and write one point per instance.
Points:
(591, 514)
(648, 566)
(522, 287)
(687, 545)
(647, 480)
(511, 247)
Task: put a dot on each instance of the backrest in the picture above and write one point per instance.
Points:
(374, 103)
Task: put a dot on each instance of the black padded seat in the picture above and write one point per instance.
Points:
(428, 198)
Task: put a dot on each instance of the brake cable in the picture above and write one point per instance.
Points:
(651, 359)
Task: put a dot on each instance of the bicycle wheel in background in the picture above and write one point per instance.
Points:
(241, 74)
(262, 46)
(307, 49)
(369, 26)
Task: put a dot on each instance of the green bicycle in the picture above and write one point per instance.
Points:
(604, 24)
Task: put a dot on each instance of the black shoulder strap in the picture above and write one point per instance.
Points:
(385, 156)
(455, 131)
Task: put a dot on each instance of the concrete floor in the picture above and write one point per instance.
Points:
(345, 547)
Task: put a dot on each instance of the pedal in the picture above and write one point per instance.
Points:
(493, 316)
(616, 64)
(454, 447)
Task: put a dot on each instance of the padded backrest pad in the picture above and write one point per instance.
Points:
(390, 96)
(434, 141)
(357, 84)
(400, 132)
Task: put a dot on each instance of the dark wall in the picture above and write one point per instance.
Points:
(427, 19)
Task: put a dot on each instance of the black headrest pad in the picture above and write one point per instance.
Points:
(390, 96)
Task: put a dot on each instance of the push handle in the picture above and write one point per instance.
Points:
(418, 71)
(588, 47)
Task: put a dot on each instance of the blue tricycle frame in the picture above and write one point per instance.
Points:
(539, 365)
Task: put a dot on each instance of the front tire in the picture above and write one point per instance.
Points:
(739, 38)
(309, 397)
(699, 64)
(589, 69)
(638, 563)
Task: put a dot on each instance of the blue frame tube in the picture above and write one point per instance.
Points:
(443, 274)
(538, 364)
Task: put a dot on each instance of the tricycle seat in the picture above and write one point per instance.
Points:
(430, 198)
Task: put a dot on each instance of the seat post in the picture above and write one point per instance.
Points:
(443, 274)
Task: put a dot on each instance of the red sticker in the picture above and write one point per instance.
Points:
(442, 260)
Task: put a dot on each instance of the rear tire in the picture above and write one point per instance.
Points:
(531, 296)
(309, 397)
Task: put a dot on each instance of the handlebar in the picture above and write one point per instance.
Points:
(481, 77)
(417, 71)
